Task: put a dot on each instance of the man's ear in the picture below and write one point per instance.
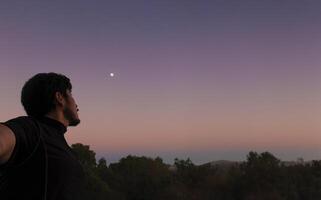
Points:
(60, 99)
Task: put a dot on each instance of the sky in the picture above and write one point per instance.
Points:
(206, 79)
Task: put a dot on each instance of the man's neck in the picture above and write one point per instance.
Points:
(58, 117)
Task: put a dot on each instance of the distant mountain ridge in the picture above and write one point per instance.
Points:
(230, 163)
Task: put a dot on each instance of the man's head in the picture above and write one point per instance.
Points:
(47, 93)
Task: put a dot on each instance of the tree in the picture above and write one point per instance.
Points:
(140, 177)
(96, 188)
(85, 156)
(261, 176)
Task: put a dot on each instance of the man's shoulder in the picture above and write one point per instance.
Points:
(21, 124)
(26, 136)
(21, 119)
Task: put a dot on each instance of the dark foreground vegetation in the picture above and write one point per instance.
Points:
(260, 177)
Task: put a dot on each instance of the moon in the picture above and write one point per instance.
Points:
(111, 74)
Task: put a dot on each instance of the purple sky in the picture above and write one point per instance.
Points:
(208, 79)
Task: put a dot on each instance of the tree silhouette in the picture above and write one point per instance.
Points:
(262, 176)
(96, 188)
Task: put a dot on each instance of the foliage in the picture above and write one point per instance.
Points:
(262, 176)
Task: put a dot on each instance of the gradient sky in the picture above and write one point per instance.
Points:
(206, 79)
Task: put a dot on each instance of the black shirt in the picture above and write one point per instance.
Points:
(42, 166)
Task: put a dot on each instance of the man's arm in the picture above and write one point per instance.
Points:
(7, 143)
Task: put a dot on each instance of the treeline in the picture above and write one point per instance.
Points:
(260, 177)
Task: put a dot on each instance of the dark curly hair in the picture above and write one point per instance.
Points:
(38, 93)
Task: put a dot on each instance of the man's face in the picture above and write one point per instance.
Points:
(70, 110)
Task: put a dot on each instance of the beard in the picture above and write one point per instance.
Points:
(69, 115)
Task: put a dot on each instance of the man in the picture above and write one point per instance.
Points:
(36, 162)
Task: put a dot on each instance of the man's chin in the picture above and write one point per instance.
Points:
(71, 117)
(74, 122)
